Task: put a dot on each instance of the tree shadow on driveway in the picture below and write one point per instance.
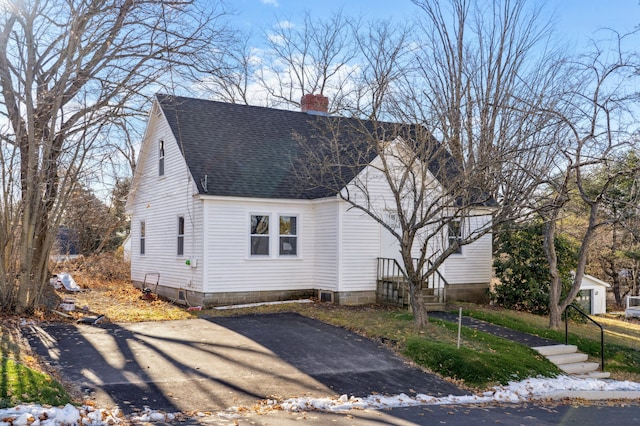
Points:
(216, 363)
(187, 365)
(341, 360)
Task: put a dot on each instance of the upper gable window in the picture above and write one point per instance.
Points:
(455, 235)
(161, 158)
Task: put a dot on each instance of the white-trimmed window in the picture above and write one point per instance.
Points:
(180, 250)
(161, 158)
(142, 238)
(455, 235)
(259, 235)
(288, 236)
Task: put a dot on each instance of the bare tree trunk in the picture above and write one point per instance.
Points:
(555, 284)
(71, 71)
(420, 317)
(613, 270)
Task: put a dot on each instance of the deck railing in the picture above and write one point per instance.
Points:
(393, 288)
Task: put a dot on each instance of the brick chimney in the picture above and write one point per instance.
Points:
(314, 104)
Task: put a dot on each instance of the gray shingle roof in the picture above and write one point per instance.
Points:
(249, 151)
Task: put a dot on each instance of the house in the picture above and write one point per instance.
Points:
(219, 216)
(593, 295)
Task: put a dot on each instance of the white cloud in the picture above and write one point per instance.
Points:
(273, 3)
(285, 24)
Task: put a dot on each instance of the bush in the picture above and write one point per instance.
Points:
(523, 271)
(103, 267)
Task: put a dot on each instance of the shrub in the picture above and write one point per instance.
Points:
(523, 271)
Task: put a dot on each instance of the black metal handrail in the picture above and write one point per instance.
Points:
(585, 315)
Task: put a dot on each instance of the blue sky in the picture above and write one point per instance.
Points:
(576, 20)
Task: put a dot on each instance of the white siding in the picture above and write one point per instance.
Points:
(474, 264)
(598, 293)
(327, 261)
(359, 251)
(228, 265)
(158, 201)
(361, 235)
(362, 238)
(337, 244)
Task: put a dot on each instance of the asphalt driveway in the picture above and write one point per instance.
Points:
(208, 365)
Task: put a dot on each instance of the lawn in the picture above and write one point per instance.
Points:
(20, 378)
(621, 337)
(482, 360)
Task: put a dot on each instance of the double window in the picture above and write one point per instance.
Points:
(261, 232)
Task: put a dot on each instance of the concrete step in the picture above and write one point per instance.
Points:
(572, 362)
(556, 349)
(579, 367)
(571, 358)
(594, 375)
(435, 307)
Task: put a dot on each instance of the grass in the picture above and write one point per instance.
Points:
(486, 360)
(20, 384)
(20, 378)
(622, 357)
(483, 360)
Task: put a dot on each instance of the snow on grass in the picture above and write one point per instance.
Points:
(514, 392)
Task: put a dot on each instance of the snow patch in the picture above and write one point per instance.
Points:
(514, 392)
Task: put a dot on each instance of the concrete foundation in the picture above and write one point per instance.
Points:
(209, 300)
(476, 293)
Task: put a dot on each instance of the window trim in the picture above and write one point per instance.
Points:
(161, 158)
(295, 235)
(266, 236)
(143, 237)
(181, 235)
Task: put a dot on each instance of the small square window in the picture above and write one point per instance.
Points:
(259, 235)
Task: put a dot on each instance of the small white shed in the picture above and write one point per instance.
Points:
(593, 295)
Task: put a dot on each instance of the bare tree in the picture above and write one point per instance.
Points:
(387, 170)
(229, 74)
(597, 120)
(609, 254)
(476, 82)
(69, 69)
(315, 57)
